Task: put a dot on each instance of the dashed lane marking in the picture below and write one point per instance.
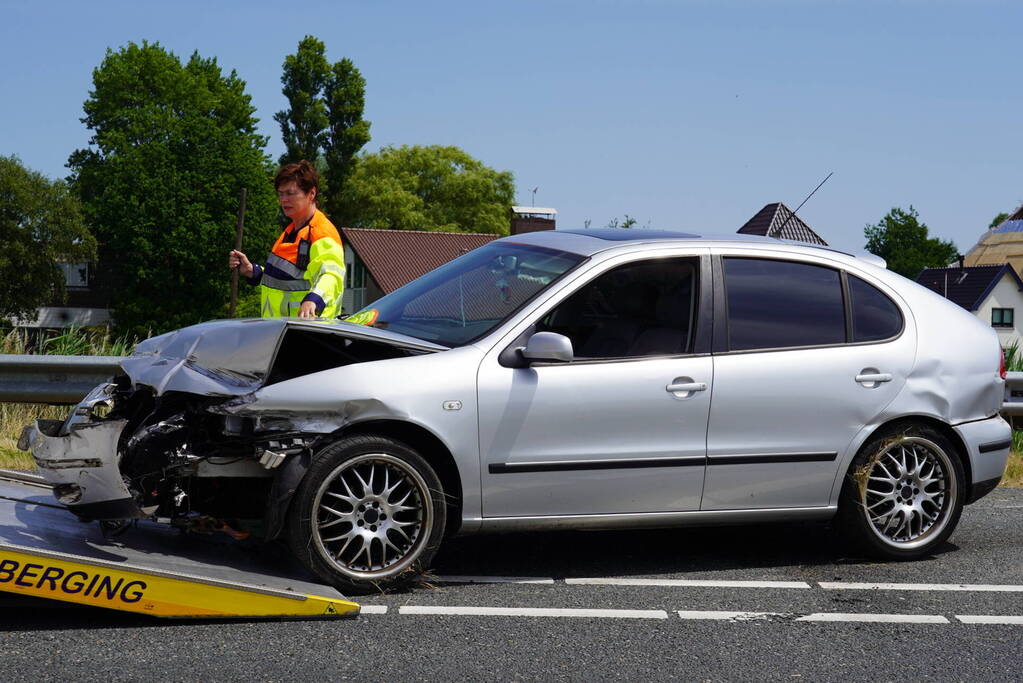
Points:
(989, 619)
(373, 609)
(493, 579)
(687, 583)
(978, 587)
(533, 612)
(817, 616)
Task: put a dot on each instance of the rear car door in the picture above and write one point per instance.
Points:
(797, 374)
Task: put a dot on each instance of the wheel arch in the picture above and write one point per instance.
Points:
(942, 428)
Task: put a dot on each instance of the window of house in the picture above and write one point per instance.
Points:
(76, 275)
(874, 315)
(1002, 317)
(644, 308)
(777, 304)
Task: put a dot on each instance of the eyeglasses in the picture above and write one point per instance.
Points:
(289, 193)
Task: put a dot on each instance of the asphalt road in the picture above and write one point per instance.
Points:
(784, 603)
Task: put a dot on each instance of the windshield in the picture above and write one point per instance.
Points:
(468, 297)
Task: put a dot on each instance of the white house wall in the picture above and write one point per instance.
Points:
(1006, 294)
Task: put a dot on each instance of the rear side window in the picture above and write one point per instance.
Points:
(874, 315)
(777, 304)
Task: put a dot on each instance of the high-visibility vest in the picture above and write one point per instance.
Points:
(307, 264)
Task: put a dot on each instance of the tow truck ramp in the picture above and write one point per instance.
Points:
(46, 552)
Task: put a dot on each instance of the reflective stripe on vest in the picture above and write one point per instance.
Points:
(285, 266)
(271, 282)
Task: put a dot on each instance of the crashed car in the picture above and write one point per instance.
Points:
(556, 380)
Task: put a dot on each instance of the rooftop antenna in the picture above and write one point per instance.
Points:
(534, 195)
(793, 214)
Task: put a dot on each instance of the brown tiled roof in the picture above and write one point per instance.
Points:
(777, 220)
(396, 257)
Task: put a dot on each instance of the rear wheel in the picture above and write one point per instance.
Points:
(369, 514)
(903, 494)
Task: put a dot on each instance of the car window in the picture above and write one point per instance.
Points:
(874, 315)
(468, 297)
(777, 304)
(644, 308)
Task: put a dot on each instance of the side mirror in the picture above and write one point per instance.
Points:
(548, 346)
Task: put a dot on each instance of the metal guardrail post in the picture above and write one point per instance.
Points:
(53, 379)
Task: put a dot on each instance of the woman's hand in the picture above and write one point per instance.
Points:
(237, 259)
(307, 310)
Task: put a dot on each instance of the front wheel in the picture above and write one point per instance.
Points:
(370, 514)
(903, 494)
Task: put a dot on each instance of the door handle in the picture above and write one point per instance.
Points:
(876, 377)
(686, 386)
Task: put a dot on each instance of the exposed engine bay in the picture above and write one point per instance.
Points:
(158, 442)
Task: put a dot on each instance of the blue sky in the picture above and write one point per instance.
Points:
(684, 114)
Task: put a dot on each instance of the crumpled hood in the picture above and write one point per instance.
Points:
(234, 357)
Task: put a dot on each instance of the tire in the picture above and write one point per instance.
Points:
(368, 516)
(903, 494)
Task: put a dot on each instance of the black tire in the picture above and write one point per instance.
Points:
(368, 516)
(903, 494)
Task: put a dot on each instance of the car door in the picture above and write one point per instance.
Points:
(806, 354)
(622, 427)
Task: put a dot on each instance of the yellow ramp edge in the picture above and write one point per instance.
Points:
(145, 590)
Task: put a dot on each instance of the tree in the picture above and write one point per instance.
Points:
(345, 97)
(627, 222)
(172, 146)
(41, 223)
(997, 220)
(304, 124)
(323, 122)
(901, 240)
(429, 188)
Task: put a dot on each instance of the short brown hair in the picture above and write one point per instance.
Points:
(303, 173)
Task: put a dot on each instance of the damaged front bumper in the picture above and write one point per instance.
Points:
(78, 457)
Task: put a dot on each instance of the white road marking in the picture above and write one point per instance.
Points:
(876, 618)
(817, 616)
(731, 616)
(372, 609)
(493, 579)
(979, 587)
(687, 583)
(988, 619)
(533, 612)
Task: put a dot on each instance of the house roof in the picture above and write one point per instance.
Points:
(396, 257)
(777, 220)
(967, 286)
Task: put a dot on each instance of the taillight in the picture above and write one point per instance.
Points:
(1001, 364)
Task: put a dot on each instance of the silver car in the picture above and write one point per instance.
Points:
(556, 380)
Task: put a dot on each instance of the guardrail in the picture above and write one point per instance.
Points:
(67, 379)
(52, 379)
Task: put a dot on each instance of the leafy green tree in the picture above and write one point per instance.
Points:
(429, 188)
(997, 220)
(172, 146)
(304, 123)
(323, 122)
(901, 240)
(41, 223)
(346, 99)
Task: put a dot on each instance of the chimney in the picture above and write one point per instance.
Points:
(531, 219)
(961, 260)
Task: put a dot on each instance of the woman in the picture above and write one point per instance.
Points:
(304, 275)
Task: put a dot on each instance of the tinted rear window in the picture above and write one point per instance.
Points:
(777, 304)
(875, 316)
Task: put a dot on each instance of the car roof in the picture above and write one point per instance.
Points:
(590, 242)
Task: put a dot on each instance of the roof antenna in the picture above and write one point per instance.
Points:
(793, 214)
